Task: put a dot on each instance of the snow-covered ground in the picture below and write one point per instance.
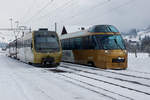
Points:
(141, 63)
(20, 81)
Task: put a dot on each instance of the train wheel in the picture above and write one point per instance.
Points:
(90, 63)
(30, 63)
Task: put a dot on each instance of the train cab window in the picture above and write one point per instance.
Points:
(110, 42)
(101, 28)
(46, 43)
(112, 28)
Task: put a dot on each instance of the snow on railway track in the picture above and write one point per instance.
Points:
(129, 79)
(94, 88)
(120, 84)
(130, 73)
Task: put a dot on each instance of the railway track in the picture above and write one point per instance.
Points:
(139, 72)
(66, 71)
(110, 71)
(73, 80)
(78, 72)
(111, 83)
(107, 76)
(101, 91)
(104, 92)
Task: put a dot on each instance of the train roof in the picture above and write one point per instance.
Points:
(90, 31)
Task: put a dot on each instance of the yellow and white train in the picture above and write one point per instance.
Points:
(101, 46)
(40, 47)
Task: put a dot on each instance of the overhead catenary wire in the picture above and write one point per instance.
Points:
(100, 4)
(39, 11)
(113, 9)
(54, 10)
(65, 6)
(48, 14)
(97, 5)
(29, 9)
(91, 19)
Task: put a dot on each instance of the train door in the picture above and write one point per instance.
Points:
(78, 51)
(100, 56)
(85, 50)
(92, 51)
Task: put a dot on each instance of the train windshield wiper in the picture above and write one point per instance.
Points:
(118, 44)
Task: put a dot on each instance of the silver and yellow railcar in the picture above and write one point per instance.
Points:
(40, 47)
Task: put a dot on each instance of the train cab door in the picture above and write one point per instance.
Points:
(92, 52)
(100, 56)
(79, 52)
(88, 52)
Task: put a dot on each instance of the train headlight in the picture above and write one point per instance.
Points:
(125, 52)
(106, 52)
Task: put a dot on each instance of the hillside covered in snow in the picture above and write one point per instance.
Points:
(136, 34)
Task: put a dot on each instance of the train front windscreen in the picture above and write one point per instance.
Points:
(46, 42)
(110, 42)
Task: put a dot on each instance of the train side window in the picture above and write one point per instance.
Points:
(69, 43)
(95, 43)
(85, 43)
(62, 44)
(72, 44)
(78, 43)
(73, 41)
(91, 29)
(90, 42)
(66, 43)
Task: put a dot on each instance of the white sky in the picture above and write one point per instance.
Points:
(124, 14)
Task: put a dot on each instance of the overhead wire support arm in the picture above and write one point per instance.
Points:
(11, 29)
